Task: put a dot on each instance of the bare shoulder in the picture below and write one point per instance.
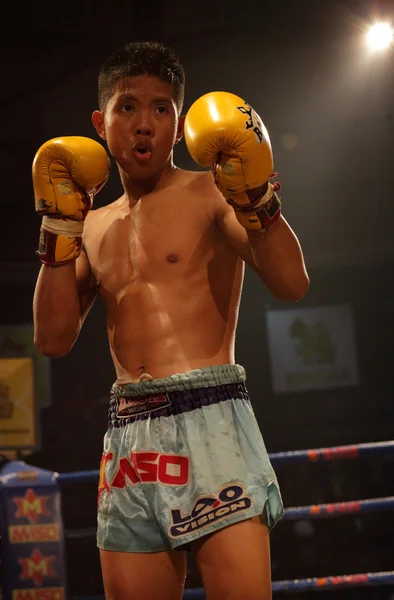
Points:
(202, 184)
(104, 213)
(99, 218)
(203, 179)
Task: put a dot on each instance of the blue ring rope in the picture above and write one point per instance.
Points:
(314, 455)
(333, 453)
(299, 585)
(318, 511)
(315, 511)
(339, 581)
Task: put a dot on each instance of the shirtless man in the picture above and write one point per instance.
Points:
(184, 464)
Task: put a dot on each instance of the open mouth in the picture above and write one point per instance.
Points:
(142, 151)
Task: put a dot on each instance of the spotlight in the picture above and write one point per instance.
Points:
(380, 36)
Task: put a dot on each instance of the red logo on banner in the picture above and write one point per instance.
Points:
(37, 567)
(27, 534)
(31, 506)
(56, 593)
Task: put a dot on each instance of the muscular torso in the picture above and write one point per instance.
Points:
(169, 280)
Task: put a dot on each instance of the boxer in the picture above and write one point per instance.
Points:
(184, 465)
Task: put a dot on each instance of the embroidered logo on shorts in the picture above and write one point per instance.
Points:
(229, 500)
(129, 406)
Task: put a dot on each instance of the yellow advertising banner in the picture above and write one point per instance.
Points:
(18, 427)
(17, 341)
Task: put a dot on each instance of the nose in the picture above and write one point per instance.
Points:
(144, 130)
(144, 125)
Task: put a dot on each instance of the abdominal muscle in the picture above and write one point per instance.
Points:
(159, 329)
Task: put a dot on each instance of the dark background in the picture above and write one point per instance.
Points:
(303, 66)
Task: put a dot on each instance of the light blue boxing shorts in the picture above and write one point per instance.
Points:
(183, 457)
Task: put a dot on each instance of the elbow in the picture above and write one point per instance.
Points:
(293, 291)
(300, 290)
(52, 341)
(51, 350)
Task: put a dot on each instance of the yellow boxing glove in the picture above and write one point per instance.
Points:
(223, 132)
(67, 173)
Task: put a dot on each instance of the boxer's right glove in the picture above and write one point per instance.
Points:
(67, 173)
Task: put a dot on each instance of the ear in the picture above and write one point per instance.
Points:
(179, 131)
(98, 123)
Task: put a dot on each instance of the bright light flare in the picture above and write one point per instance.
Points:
(379, 36)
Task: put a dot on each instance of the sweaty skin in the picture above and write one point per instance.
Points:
(169, 280)
(167, 257)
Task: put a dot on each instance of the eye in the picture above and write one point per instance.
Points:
(162, 110)
(127, 107)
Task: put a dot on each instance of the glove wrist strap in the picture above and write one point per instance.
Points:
(259, 214)
(57, 249)
(269, 213)
(65, 227)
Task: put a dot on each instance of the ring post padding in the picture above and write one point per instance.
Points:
(32, 535)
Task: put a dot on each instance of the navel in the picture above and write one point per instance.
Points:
(172, 258)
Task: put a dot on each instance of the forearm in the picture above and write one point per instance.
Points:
(56, 309)
(279, 261)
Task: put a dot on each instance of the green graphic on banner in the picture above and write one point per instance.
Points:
(315, 345)
(312, 348)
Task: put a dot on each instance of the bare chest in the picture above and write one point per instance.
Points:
(151, 242)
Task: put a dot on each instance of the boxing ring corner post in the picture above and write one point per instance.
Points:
(32, 535)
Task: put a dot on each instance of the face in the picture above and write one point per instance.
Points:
(140, 125)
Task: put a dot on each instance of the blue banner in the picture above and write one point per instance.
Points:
(32, 534)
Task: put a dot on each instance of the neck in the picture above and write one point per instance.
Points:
(136, 188)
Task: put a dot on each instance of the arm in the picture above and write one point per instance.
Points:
(62, 299)
(224, 132)
(275, 256)
(67, 173)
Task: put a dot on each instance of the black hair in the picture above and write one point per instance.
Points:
(141, 58)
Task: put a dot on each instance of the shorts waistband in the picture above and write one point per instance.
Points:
(125, 410)
(205, 377)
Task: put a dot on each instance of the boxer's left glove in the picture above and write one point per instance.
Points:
(67, 173)
(224, 132)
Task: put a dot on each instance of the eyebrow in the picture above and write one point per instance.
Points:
(156, 99)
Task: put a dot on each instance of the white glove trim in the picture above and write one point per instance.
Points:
(62, 226)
